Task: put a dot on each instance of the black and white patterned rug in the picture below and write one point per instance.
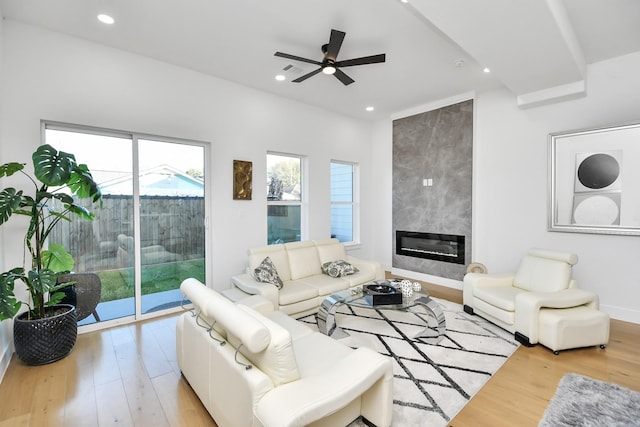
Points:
(431, 382)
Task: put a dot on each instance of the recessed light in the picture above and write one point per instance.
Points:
(370, 108)
(106, 19)
(486, 70)
(280, 77)
(404, 1)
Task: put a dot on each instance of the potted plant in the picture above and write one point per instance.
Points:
(59, 182)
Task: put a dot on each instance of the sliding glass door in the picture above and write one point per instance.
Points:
(149, 234)
(172, 246)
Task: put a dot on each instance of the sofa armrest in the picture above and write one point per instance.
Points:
(364, 265)
(246, 283)
(482, 280)
(528, 305)
(302, 402)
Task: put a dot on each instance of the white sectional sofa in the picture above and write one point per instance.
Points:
(299, 265)
(252, 366)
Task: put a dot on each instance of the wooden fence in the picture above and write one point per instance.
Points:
(175, 223)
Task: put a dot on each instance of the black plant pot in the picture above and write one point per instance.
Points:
(42, 341)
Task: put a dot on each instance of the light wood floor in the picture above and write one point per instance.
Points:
(519, 393)
(124, 376)
(128, 376)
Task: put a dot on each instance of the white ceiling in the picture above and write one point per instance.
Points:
(537, 49)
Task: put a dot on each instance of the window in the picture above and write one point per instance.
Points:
(344, 206)
(284, 198)
(149, 234)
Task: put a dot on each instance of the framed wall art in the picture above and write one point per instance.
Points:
(242, 180)
(594, 184)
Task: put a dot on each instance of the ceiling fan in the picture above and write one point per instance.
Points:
(330, 64)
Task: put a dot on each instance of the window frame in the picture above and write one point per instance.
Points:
(354, 203)
(135, 138)
(303, 193)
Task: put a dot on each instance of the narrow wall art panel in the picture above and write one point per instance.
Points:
(242, 180)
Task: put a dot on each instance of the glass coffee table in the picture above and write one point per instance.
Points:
(419, 303)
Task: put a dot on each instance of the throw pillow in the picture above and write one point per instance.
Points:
(266, 273)
(338, 268)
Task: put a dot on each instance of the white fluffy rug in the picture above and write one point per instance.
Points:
(431, 382)
(583, 401)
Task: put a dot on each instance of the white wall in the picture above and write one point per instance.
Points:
(511, 179)
(6, 347)
(55, 77)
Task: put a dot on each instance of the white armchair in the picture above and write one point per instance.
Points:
(528, 302)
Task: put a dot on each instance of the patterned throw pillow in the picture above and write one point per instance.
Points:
(338, 268)
(266, 273)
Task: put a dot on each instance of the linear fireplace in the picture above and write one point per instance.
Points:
(439, 247)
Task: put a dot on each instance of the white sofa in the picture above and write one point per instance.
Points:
(299, 265)
(253, 366)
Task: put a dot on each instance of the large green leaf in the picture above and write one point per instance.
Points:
(9, 305)
(9, 202)
(81, 211)
(57, 259)
(55, 298)
(51, 167)
(82, 183)
(42, 281)
(64, 198)
(9, 169)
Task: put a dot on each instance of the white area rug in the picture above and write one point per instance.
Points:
(431, 382)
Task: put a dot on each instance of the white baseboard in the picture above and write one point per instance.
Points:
(442, 281)
(621, 313)
(5, 359)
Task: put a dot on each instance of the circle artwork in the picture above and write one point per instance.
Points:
(596, 210)
(598, 171)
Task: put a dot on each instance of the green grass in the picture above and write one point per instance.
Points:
(118, 284)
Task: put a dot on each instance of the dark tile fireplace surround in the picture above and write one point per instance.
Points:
(435, 147)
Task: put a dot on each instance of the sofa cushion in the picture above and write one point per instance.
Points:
(324, 284)
(294, 291)
(303, 259)
(266, 272)
(338, 268)
(503, 297)
(330, 250)
(360, 278)
(313, 362)
(278, 257)
(277, 360)
(296, 328)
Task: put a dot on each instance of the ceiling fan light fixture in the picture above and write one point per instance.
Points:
(329, 69)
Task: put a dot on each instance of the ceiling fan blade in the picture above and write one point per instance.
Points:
(306, 76)
(346, 80)
(373, 59)
(335, 42)
(297, 58)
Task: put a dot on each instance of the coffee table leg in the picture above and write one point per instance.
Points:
(434, 311)
(326, 317)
